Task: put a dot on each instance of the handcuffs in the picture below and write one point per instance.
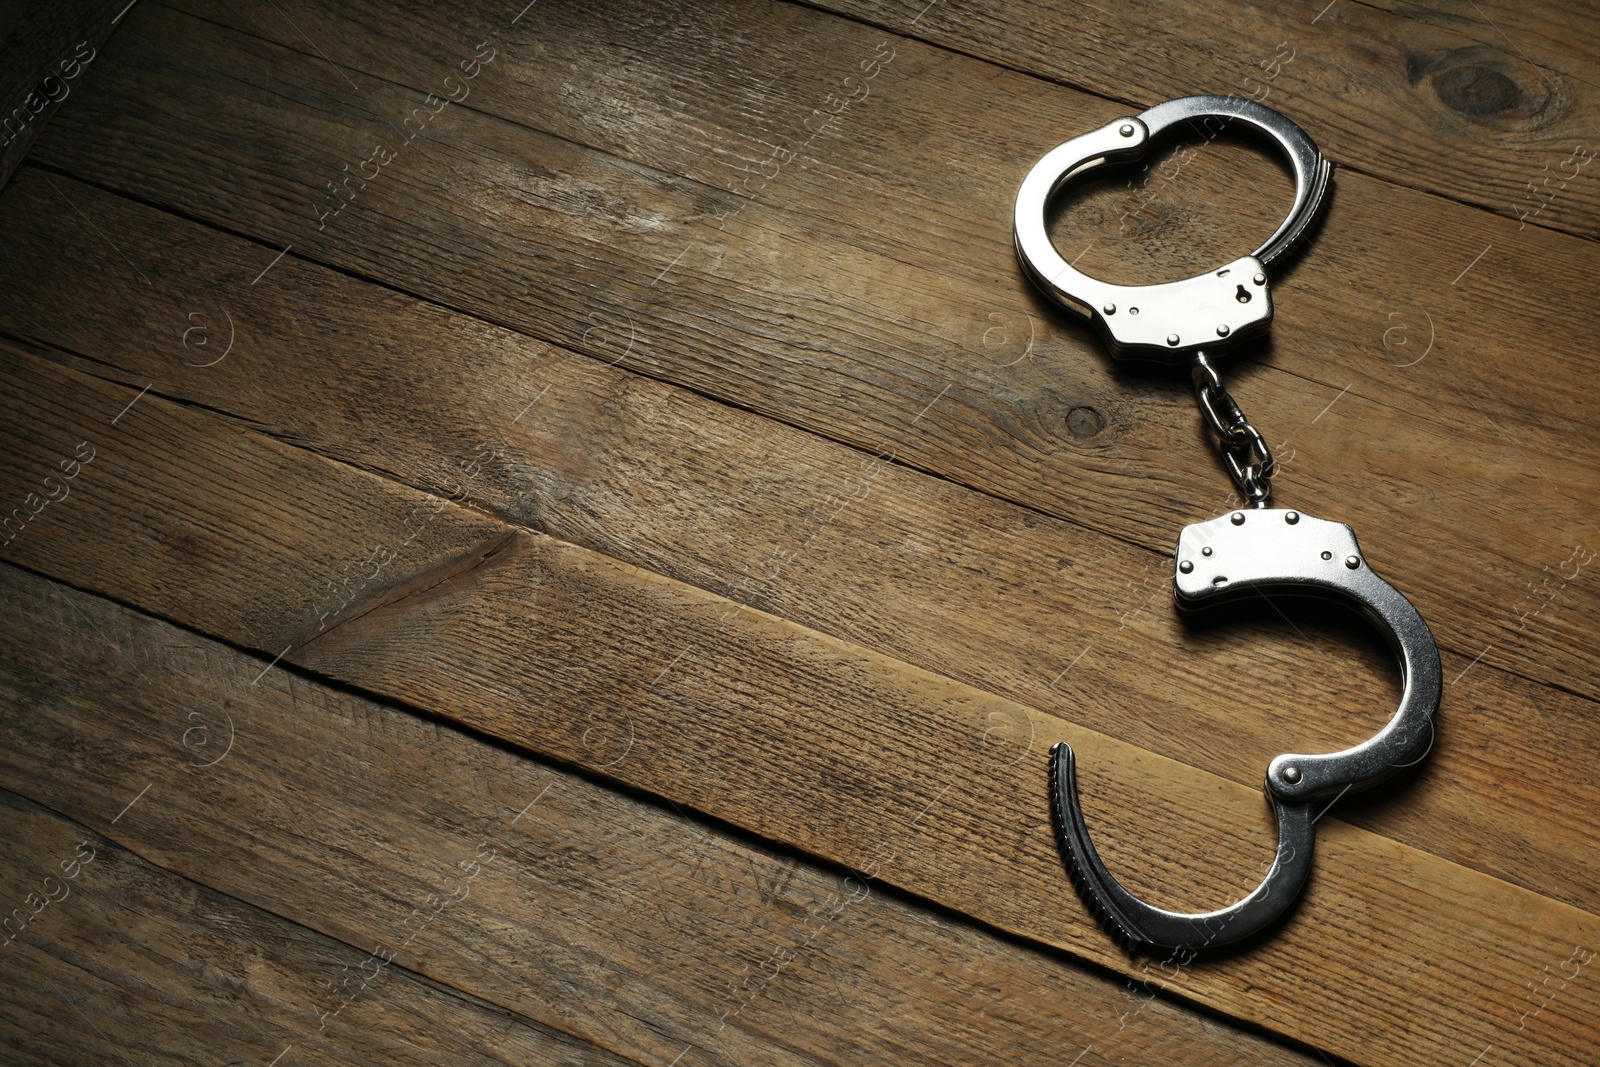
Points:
(1257, 550)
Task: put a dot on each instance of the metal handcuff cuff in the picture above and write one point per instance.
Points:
(1258, 550)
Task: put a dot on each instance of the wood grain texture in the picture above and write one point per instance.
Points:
(1467, 100)
(272, 505)
(780, 520)
(661, 396)
(881, 766)
(135, 963)
(856, 342)
(1481, 102)
(44, 58)
(597, 928)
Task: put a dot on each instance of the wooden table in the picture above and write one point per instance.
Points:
(560, 534)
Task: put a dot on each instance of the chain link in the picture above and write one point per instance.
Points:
(1241, 444)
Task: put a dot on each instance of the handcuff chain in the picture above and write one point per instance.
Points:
(1243, 448)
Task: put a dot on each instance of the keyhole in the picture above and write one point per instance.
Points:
(1243, 295)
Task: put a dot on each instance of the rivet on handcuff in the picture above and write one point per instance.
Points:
(1258, 550)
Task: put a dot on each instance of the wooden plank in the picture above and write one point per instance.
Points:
(711, 125)
(695, 727)
(131, 962)
(1482, 102)
(592, 913)
(42, 59)
(464, 219)
(866, 761)
(787, 523)
(1472, 101)
(118, 448)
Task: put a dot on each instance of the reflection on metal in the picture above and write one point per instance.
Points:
(1256, 552)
